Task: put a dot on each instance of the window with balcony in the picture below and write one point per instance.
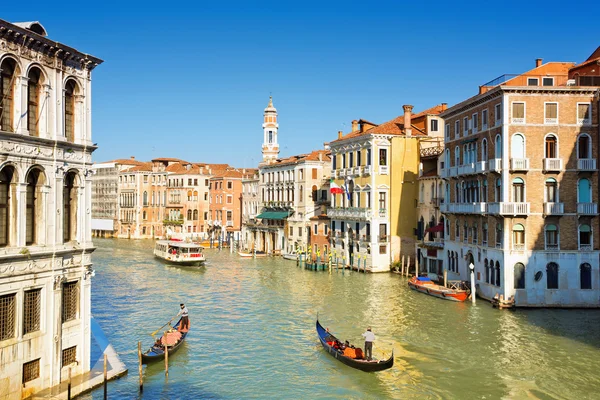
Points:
(584, 193)
(584, 113)
(368, 156)
(551, 113)
(382, 156)
(551, 236)
(584, 146)
(585, 276)
(551, 190)
(519, 276)
(498, 190)
(498, 146)
(499, 235)
(457, 128)
(518, 113)
(484, 150)
(465, 125)
(484, 191)
(457, 230)
(517, 147)
(552, 276)
(456, 156)
(484, 233)
(484, 119)
(585, 237)
(359, 158)
(475, 122)
(518, 186)
(498, 113)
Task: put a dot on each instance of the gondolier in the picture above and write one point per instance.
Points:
(185, 322)
(369, 339)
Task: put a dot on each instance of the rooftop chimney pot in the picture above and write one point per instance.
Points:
(407, 119)
(538, 62)
(444, 106)
(340, 134)
(354, 125)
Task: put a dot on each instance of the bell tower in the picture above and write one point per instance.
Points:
(270, 147)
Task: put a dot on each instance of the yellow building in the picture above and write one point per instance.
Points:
(373, 215)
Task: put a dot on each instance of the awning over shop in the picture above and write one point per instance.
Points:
(273, 215)
(434, 229)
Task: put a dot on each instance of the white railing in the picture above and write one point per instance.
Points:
(585, 247)
(495, 164)
(341, 173)
(554, 208)
(481, 166)
(334, 173)
(366, 170)
(383, 169)
(550, 121)
(229, 223)
(518, 120)
(552, 164)
(466, 169)
(586, 164)
(519, 164)
(518, 247)
(356, 171)
(465, 208)
(354, 213)
(587, 208)
(382, 212)
(551, 247)
(508, 208)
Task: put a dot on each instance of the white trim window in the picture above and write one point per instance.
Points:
(475, 122)
(498, 113)
(551, 237)
(551, 113)
(465, 126)
(548, 81)
(584, 113)
(434, 125)
(484, 119)
(533, 82)
(457, 129)
(585, 237)
(447, 131)
(518, 112)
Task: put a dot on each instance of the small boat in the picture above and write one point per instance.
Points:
(424, 284)
(172, 339)
(368, 366)
(292, 256)
(250, 254)
(181, 253)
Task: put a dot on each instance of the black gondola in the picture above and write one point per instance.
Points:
(156, 353)
(364, 365)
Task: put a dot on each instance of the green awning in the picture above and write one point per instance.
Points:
(273, 215)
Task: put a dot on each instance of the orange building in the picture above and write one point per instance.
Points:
(225, 208)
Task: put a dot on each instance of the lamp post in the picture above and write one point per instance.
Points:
(472, 268)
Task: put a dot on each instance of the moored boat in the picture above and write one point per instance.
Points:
(425, 285)
(291, 256)
(180, 253)
(171, 340)
(250, 254)
(373, 365)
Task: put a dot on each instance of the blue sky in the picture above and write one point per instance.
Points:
(191, 81)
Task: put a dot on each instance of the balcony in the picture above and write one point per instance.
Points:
(508, 208)
(356, 171)
(229, 223)
(586, 164)
(519, 164)
(173, 222)
(554, 209)
(365, 238)
(382, 213)
(552, 247)
(382, 239)
(495, 165)
(481, 167)
(465, 208)
(383, 170)
(466, 169)
(585, 247)
(587, 208)
(451, 172)
(552, 164)
(518, 247)
(351, 213)
(365, 170)
(334, 173)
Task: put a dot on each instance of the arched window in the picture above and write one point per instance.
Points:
(584, 146)
(69, 110)
(189, 215)
(314, 193)
(498, 273)
(585, 276)
(499, 234)
(195, 198)
(487, 271)
(456, 156)
(551, 148)
(145, 198)
(189, 195)
(69, 208)
(585, 237)
(32, 207)
(518, 190)
(7, 93)
(584, 193)
(6, 176)
(498, 190)
(492, 273)
(518, 237)
(517, 146)
(551, 190)
(484, 150)
(144, 215)
(498, 146)
(552, 276)
(33, 101)
(551, 237)
(519, 276)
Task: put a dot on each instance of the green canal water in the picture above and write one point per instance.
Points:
(253, 334)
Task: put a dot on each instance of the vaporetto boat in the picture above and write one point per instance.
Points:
(179, 253)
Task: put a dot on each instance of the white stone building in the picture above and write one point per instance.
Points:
(45, 202)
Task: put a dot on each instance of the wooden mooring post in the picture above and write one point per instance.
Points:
(105, 377)
(407, 265)
(402, 266)
(140, 366)
(417, 266)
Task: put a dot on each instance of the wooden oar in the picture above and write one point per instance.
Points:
(168, 323)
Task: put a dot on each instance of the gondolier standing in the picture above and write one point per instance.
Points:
(369, 338)
(185, 322)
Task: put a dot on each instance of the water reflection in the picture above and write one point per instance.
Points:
(252, 333)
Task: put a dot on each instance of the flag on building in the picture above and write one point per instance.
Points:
(334, 188)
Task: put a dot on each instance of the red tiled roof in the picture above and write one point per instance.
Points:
(312, 156)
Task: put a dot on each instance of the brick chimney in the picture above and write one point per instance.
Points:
(340, 134)
(133, 157)
(354, 125)
(407, 119)
(538, 62)
(444, 106)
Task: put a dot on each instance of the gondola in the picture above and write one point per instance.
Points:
(156, 353)
(368, 366)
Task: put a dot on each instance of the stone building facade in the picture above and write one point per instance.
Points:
(45, 209)
(521, 174)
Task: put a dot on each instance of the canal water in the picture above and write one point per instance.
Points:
(253, 334)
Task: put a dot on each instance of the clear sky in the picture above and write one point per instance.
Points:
(191, 79)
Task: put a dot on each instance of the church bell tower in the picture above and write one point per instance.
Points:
(270, 147)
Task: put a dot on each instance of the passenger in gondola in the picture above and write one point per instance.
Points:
(359, 354)
(158, 344)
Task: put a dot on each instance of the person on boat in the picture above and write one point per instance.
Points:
(369, 338)
(185, 322)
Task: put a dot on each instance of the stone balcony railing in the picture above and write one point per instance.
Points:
(495, 165)
(519, 164)
(464, 208)
(481, 167)
(509, 208)
(587, 208)
(366, 170)
(586, 164)
(552, 164)
(554, 208)
(351, 213)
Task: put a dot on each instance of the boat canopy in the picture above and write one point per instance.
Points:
(424, 278)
